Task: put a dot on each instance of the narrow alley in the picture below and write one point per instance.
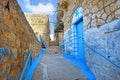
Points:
(54, 67)
(59, 39)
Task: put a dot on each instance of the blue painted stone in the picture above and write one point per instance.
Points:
(3, 51)
(106, 40)
(3, 75)
(9, 78)
(14, 53)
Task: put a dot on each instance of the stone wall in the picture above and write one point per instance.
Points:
(99, 12)
(40, 24)
(61, 38)
(68, 14)
(56, 38)
(95, 12)
(102, 32)
(17, 37)
(106, 41)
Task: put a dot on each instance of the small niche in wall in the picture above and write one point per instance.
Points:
(36, 33)
(7, 6)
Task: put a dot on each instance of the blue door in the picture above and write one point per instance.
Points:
(80, 44)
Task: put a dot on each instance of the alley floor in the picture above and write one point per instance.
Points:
(56, 67)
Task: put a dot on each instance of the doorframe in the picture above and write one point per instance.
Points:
(78, 17)
(83, 47)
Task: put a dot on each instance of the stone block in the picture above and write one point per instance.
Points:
(99, 14)
(109, 18)
(94, 16)
(118, 3)
(100, 22)
(107, 10)
(95, 2)
(8, 20)
(14, 53)
(3, 78)
(86, 6)
(106, 2)
(93, 23)
(2, 75)
(11, 37)
(117, 13)
(86, 12)
(100, 5)
(113, 7)
(17, 43)
(94, 9)
(104, 16)
(10, 78)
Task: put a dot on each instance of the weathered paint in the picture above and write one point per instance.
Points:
(3, 50)
(103, 48)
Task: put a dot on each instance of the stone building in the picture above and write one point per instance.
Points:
(40, 25)
(91, 36)
(59, 28)
(16, 39)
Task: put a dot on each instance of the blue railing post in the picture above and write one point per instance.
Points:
(43, 42)
(25, 66)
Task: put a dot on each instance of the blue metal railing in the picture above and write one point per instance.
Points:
(34, 65)
(43, 42)
(26, 65)
(102, 55)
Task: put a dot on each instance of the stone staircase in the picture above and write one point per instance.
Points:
(53, 50)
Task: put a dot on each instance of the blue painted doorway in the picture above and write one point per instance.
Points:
(79, 28)
(80, 59)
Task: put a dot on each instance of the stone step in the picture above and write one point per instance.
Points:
(53, 50)
(81, 79)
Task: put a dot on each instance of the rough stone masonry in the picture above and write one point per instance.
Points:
(101, 31)
(16, 37)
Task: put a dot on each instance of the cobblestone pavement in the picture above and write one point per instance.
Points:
(55, 67)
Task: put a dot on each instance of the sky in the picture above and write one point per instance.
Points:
(40, 7)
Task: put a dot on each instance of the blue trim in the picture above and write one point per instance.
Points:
(78, 15)
(25, 66)
(78, 20)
